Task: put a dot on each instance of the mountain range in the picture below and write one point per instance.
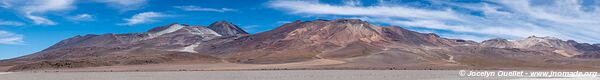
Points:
(318, 44)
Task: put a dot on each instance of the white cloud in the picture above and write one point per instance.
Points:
(565, 18)
(251, 28)
(82, 17)
(5, 3)
(282, 22)
(197, 8)
(352, 2)
(125, 5)
(41, 7)
(47, 5)
(34, 9)
(10, 23)
(145, 17)
(10, 38)
(304, 7)
(40, 20)
(504, 19)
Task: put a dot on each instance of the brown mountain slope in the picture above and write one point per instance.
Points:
(568, 48)
(340, 43)
(301, 41)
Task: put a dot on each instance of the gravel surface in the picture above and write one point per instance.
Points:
(263, 75)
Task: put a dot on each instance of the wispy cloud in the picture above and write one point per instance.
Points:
(81, 17)
(305, 7)
(37, 8)
(125, 5)
(40, 20)
(5, 3)
(10, 38)
(34, 10)
(505, 19)
(145, 17)
(10, 23)
(251, 28)
(197, 8)
(352, 2)
(282, 22)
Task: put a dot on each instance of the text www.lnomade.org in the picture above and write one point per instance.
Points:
(466, 73)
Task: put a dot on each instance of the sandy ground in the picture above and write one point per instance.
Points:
(199, 67)
(1, 73)
(266, 75)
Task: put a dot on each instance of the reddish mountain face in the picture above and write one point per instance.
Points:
(341, 38)
(351, 41)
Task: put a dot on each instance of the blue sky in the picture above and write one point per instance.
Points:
(30, 26)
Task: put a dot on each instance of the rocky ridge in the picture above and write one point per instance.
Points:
(353, 42)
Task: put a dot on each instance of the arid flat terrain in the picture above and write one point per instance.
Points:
(266, 75)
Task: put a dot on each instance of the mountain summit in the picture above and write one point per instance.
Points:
(318, 44)
(226, 28)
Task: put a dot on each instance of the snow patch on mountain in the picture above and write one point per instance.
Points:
(170, 29)
(206, 33)
(190, 48)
